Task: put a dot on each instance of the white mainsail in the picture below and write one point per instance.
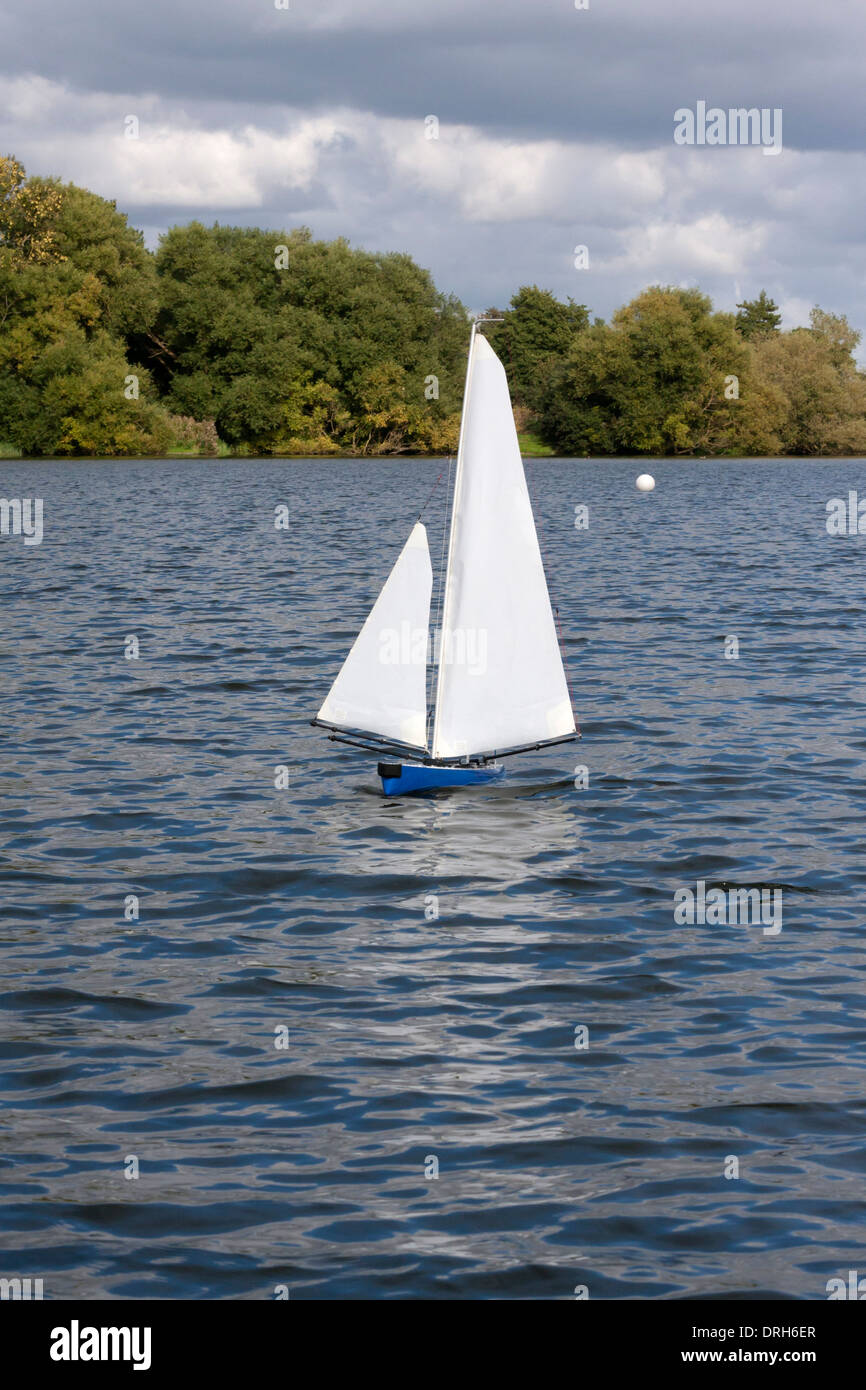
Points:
(501, 682)
(382, 686)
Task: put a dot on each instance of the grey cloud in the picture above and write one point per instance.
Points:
(528, 68)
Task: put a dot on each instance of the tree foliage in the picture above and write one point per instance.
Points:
(758, 317)
(814, 373)
(28, 209)
(74, 277)
(292, 344)
(286, 343)
(666, 376)
(273, 342)
(535, 335)
(669, 375)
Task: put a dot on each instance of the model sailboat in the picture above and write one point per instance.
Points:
(500, 682)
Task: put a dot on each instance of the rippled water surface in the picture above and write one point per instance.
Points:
(414, 1037)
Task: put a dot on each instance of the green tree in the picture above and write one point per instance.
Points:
(814, 371)
(74, 279)
(317, 346)
(841, 339)
(536, 334)
(98, 240)
(667, 375)
(758, 317)
(28, 210)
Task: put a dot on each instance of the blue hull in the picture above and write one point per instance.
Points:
(398, 778)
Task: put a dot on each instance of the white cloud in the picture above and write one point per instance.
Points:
(216, 169)
(795, 312)
(504, 180)
(713, 243)
(174, 161)
(485, 211)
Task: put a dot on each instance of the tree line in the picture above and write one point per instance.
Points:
(249, 341)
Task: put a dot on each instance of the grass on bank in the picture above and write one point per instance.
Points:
(532, 447)
(193, 451)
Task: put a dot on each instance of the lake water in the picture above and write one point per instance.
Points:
(150, 1043)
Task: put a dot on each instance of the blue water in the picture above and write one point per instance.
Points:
(415, 1037)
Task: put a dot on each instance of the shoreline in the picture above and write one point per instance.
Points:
(401, 457)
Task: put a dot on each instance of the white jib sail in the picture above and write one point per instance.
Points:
(501, 682)
(382, 686)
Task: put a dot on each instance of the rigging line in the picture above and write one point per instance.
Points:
(440, 585)
(432, 490)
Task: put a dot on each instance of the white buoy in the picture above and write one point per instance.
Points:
(645, 483)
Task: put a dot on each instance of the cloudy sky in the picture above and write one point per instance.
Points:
(555, 129)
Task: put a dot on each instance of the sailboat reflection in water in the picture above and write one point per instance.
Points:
(500, 682)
